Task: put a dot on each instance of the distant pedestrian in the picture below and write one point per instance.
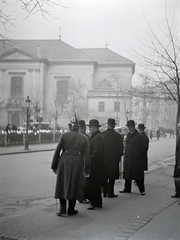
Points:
(158, 134)
(177, 165)
(135, 148)
(171, 133)
(113, 153)
(141, 129)
(71, 159)
(8, 129)
(14, 128)
(97, 176)
(151, 134)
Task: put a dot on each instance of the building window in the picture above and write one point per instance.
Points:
(62, 90)
(116, 106)
(101, 106)
(16, 87)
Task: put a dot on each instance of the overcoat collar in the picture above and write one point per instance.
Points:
(94, 134)
(131, 135)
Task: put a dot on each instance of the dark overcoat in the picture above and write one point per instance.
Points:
(98, 170)
(71, 159)
(145, 157)
(113, 152)
(177, 159)
(135, 148)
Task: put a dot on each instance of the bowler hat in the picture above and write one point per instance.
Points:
(111, 121)
(82, 123)
(94, 122)
(141, 126)
(130, 123)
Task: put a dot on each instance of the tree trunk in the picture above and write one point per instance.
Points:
(177, 119)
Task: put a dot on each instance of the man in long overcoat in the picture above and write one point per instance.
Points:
(141, 129)
(71, 159)
(135, 148)
(82, 129)
(177, 165)
(113, 153)
(98, 171)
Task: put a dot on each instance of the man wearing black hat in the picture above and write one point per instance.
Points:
(70, 161)
(82, 129)
(135, 148)
(176, 174)
(113, 152)
(98, 171)
(141, 129)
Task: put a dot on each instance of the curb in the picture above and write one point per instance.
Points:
(27, 151)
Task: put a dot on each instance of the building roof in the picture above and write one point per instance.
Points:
(104, 55)
(57, 50)
(53, 50)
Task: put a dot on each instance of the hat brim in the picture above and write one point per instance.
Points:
(95, 125)
(111, 123)
(128, 125)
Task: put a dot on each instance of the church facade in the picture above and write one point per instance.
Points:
(60, 81)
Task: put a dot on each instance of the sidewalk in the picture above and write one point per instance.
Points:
(32, 148)
(155, 216)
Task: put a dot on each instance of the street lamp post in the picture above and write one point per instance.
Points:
(127, 114)
(27, 102)
(117, 108)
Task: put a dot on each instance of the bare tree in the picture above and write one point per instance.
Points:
(55, 110)
(77, 101)
(30, 7)
(161, 61)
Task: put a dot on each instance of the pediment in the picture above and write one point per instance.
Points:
(17, 54)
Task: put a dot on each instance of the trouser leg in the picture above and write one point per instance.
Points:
(177, 190)
(85, 196)
(63, 206)
(105, 188)
(111, 187)
(95, 196)
(127, 185)
(140, 184)
(72, 203)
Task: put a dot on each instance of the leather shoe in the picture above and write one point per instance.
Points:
(112, 196)
(74, 212)
(125, 191)
(61, 214)
(91, 207)
(176, 196)
(142, 193)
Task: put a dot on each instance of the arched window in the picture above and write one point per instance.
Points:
(16, 87)
(15, 119)
(104, 84)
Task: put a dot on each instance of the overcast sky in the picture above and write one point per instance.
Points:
(93, 23)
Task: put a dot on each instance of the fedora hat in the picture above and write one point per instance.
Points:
(82, 123)
(141, 126)
(94, 122)
(111, 121)
(130, 123)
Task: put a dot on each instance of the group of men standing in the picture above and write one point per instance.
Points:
(88, 166)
